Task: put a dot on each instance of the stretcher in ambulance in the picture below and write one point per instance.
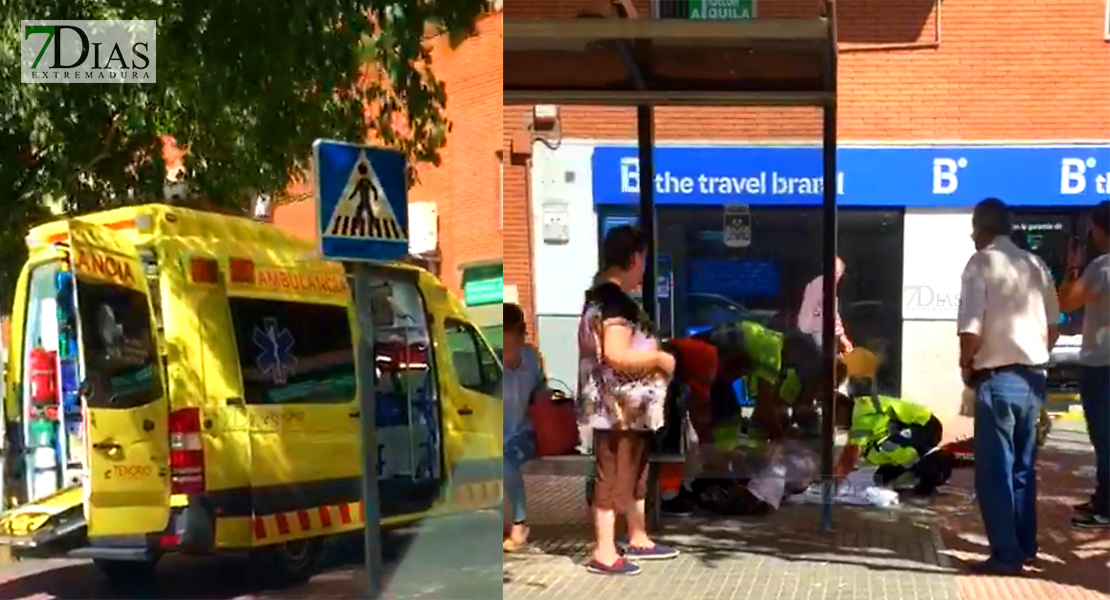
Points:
(184, 382)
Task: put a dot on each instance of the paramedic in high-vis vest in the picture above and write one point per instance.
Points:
(783, 371)
(895, 435)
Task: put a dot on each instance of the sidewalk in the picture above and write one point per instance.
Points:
(1073, 564)
(871, 555)
(914, 552)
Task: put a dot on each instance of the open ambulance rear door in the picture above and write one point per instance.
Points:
(127, 482)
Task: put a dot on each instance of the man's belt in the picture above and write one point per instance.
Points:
(979, 375)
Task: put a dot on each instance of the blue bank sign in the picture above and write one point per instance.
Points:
(868, 176)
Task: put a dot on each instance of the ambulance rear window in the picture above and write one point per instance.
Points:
(118, 345)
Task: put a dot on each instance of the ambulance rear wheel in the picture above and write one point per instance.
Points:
(126, 573)
(293, 562)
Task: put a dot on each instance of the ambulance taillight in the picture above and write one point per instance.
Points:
(186, 452)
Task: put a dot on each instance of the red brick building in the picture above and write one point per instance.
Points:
(465, 190)
(912, 73)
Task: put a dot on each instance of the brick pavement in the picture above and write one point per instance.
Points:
(1072, 564)
(915, 552)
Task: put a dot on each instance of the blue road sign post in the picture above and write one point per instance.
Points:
(362, 217)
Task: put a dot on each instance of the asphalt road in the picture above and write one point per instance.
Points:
(456, 557)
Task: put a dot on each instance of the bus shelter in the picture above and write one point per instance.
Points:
(622, 61)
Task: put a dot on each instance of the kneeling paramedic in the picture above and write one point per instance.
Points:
(895, 435)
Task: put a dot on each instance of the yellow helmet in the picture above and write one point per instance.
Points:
(861, 363)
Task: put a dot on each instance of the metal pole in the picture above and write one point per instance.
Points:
(367, 382)
(645, 129)
(828, 314)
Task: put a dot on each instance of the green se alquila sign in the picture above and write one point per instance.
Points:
(721, 10)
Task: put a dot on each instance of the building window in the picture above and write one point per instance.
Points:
(669, 9)
(294, 352)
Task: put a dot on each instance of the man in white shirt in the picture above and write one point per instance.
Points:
(1008, 322)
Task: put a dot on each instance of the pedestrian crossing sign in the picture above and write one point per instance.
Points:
(362, 201)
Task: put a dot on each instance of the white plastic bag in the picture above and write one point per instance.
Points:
(792, 466)
(858, 489)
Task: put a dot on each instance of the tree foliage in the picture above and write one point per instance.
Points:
(244, 85)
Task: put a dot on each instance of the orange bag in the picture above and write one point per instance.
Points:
(554, 423)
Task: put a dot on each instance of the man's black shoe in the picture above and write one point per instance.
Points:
(993, 567)
(1090, 521)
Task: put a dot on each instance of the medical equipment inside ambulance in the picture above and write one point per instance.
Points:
(53, 429)
(406, 407)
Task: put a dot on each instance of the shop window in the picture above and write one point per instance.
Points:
(294, 352)
(475, 364)
(1048, 234)
(765, 280)
(118, 345)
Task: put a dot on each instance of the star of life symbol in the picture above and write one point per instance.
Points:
(362, 210)
(275, 350)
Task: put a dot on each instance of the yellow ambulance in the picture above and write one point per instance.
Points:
(184, 381)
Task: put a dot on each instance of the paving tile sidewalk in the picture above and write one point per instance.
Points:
(871, 555)
(917, 551)
(1073, 564)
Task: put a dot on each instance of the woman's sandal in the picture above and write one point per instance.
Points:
(512, 545)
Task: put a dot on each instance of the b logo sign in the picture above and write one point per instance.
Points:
(87, 52)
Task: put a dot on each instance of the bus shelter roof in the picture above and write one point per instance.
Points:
(629, 62)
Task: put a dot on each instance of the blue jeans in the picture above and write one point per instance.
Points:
(1007, 406)
(1094, 391)
(520, 449)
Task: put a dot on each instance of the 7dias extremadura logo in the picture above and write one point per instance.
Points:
(88, 52)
